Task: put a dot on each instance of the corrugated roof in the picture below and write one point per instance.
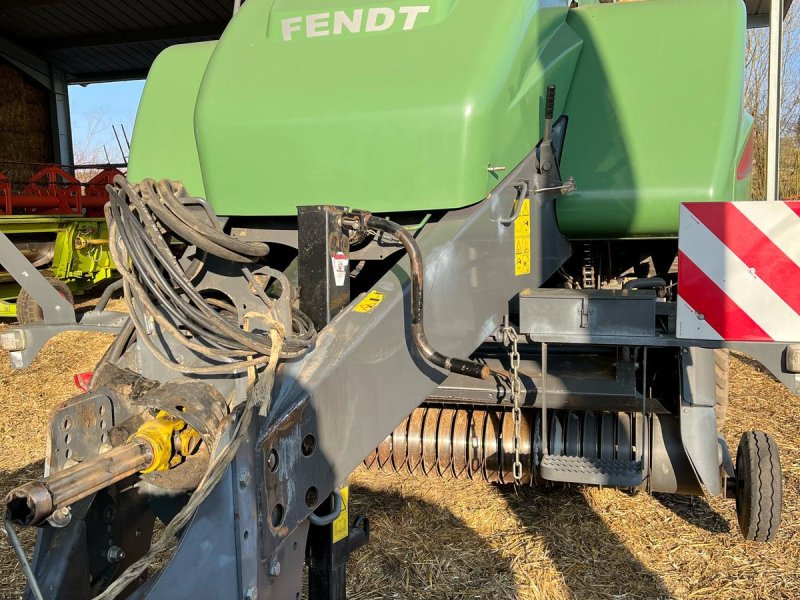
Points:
(113, 39)
(119, 39)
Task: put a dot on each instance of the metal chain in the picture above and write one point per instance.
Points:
(516, 391)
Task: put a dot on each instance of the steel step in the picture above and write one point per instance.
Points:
(592, 471)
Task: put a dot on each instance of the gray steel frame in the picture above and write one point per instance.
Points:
(59, 315)
(360, 361)
(364, 367)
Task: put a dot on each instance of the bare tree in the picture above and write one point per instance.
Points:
(755, 98)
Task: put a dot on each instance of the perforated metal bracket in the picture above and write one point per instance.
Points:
(78, 429)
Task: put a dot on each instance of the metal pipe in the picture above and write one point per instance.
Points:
(454, 365)
(23, 560)
(774, 100)
(34, 502)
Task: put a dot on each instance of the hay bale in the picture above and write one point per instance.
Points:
(25, 126)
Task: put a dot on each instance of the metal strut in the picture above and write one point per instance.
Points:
(359, 220)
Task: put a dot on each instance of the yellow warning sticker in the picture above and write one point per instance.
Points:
(341, 526)
(369, 302)
(522, 240)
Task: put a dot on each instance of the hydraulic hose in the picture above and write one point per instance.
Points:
(454, 365)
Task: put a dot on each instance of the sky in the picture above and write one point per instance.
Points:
(93, 110)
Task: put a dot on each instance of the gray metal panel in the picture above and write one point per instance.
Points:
(697, 416)
(364, 367)
(587, 312)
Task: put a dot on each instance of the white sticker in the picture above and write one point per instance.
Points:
(340, 262)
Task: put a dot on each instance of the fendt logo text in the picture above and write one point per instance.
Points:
(357, 21)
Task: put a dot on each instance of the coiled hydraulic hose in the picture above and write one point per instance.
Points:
(141, 219)
(454, 365)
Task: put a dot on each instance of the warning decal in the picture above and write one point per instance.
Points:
(369, 302)
(341, 526)
(522, 240)
(340, 263)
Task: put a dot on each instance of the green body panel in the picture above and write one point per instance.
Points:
(290, 107)
(163, 145)
(389, 121)
(80, 259)
(655, 114)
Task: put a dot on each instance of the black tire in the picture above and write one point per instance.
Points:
(722, 369)
(29, 311)
(759, 486)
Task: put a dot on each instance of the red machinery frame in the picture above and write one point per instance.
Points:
(53, 191)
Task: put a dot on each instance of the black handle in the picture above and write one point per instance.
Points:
(550, 102)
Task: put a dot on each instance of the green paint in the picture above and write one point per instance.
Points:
(298, 103)
(388, 121)
(163, 144)
(655, 114)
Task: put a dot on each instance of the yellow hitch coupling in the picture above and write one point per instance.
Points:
(170, 438)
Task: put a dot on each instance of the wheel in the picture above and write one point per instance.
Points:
(722, 369)
(29, 311)
(759, 486)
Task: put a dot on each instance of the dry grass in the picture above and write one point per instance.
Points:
(459, 540)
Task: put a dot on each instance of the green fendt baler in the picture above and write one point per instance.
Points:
(437, 239)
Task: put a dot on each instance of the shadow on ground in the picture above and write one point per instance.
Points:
(423, 551)
(695, 510)
(593, 561)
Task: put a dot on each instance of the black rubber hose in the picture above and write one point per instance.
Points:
(454, 365)
(106, 295)
(645, 283)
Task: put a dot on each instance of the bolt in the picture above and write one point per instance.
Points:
(251, 593)
(61, 517)
(244, 478)
(115, 554)
(272, 460)
(274, 568)
(109, 513)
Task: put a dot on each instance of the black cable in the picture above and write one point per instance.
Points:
(142, 219)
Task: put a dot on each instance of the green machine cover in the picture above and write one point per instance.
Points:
(394, 106)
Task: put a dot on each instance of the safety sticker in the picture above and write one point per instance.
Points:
(341, 526)
(340, 263)
(522, 240)
(370, 301)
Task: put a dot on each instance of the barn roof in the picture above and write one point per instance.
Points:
(119, 39)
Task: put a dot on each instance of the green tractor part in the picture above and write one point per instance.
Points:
(434, 239)
(72, 252)
(430, 109)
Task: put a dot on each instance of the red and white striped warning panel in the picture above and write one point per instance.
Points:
(739, 271)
